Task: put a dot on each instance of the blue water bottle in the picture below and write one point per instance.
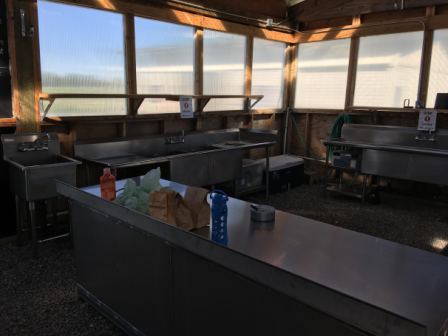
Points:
(219, 216)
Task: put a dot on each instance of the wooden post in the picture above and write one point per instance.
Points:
(425, 66)
(199, 71)
(24, 56)
(131, 66)
(289, 85)
(248, 75)
(294, 64)
(352, 68)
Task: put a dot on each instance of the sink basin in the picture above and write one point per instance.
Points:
(32, 176)
(51, 160)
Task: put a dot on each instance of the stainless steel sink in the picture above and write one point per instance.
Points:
(198, 158)
(32, 172)
(35, 163)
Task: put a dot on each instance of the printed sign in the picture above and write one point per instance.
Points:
(186, 107)
(427, 120)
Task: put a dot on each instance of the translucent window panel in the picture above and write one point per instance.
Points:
(165, 58)
(224, 60)
(82, 51)
(267, 72)
(438, 78)
(388, 69)
(322, 74)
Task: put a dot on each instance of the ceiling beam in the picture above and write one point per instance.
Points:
(248, 8)
(310, 10)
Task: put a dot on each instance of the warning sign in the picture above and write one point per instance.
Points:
(186, 107)
(427, 120)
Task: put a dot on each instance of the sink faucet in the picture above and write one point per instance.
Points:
(40, 144)
(175, 139)
(41, 138)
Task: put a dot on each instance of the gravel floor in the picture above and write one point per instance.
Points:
(418, 222)
(38, 297)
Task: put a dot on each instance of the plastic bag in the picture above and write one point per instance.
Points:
(136, 197)
(129, 192)
(151, 181)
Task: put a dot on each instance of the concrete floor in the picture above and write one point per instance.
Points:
(38, 297)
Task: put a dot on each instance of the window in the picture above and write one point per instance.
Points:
(224, 60)
(438, 78)
(322, 74)
(82, 51)
(388, 69)
(267, 72)
(165, 58)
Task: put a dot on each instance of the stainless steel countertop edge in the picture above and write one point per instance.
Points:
(337, 304)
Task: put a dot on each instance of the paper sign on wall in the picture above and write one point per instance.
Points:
(186, 107)
(427, 120)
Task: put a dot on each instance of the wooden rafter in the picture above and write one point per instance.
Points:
(182, 17)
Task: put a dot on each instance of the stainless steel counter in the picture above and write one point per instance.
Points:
(199, 159)
(376, 286)
(397, 152)
(141, 151)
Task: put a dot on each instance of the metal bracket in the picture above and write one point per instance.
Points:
(45, 111)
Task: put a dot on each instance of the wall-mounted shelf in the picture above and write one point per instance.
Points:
(137, 99)
(390, 109)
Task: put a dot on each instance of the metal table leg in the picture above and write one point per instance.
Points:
(32, 210)
(327, 156)
(267, 173)
(364, 188)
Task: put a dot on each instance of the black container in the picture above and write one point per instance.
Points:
(441, 101)
(285, 172)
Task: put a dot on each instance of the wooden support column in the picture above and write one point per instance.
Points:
(425, 67)
(289, 88)
(24, 54)
(131, 67)
(248, 74)
(199, 71)
(352, 68)
(292, 76)
(131, 70)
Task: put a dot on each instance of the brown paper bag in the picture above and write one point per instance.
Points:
(196, 201)
(163, 205)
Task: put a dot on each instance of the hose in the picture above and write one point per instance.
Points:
(335, 133)
(336, 130)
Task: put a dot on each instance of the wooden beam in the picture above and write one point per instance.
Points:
(352, 70)
(425, 66)
(318, 9)
(37, 76)
(291, 76)
(177, 16)
(249, 58)
(25, 59)
(199, 61)
(130, 61)
(12, 57)
(248, 66)
(389, 27)
(199, 74)
(270, 8)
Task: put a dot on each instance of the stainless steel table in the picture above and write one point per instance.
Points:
(297, 276)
